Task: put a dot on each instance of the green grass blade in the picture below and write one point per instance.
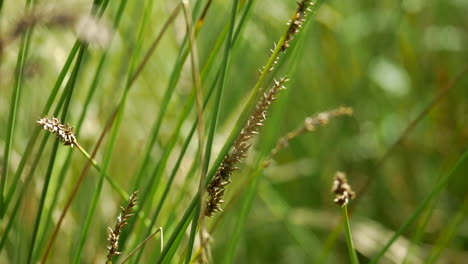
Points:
(437, 189)
(448, 233)
(15, 208)
(14, 104)
(349, 239)
(247, 201)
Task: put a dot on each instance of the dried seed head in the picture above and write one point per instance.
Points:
(321, 119)
(44, 16)
(310, 124)
(241, 146)
(122, 220)
(64, 133)
(341, 189)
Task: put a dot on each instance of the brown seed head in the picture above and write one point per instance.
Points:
(122, 220)
(241, 146)
(64, 133)
(295, 24)
(342, 190)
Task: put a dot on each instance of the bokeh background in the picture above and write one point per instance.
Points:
(386, 59)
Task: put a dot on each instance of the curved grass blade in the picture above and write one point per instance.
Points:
(435, 191)
(14, 104)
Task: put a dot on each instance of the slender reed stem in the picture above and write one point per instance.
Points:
(435, 191)
(159, 230)
(199, 107)
(123, 194)
(349, 238)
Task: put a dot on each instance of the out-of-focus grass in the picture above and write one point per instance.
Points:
(386, 59)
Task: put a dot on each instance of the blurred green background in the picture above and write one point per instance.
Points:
(386, 59)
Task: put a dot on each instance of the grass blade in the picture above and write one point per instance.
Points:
(435, 191)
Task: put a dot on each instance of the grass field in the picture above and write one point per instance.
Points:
(259, 104)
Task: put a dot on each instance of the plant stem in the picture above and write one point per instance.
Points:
(111, 181)
(349, 238)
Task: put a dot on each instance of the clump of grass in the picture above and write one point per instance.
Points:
(122, 220)
(344, 194)
(241, 146)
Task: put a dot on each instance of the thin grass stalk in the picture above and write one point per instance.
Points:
(14, 104)
(281, 210)
(424, 220)
(154, 44)
(71, 85)
(240, 221)
(159, 230)
(435, 191)
(199, 104)
(343, 195)
(17, 204)
(448, 233)
(349, 239)
(157, 172)
(173, 80)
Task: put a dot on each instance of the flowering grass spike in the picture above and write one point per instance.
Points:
(222, 178)
(64, 133)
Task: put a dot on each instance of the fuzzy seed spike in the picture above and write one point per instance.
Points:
(216, 187)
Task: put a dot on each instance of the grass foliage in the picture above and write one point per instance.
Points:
(219, 125)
